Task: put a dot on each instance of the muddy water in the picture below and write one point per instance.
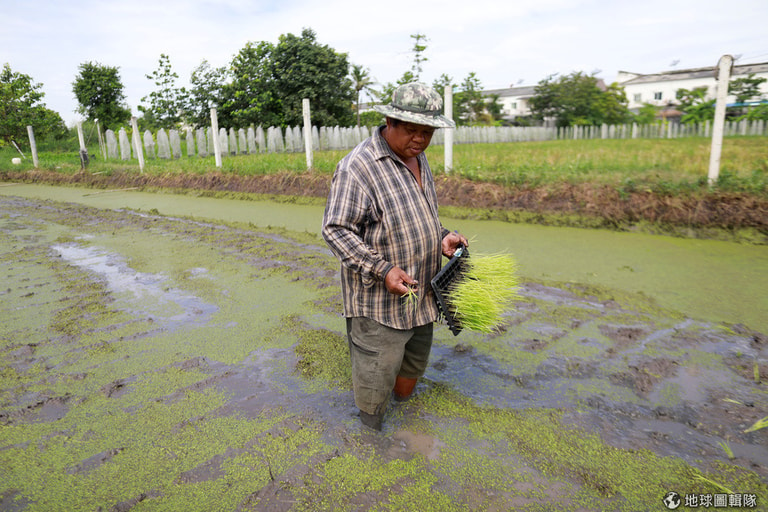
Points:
(717, 281)
(150, 361)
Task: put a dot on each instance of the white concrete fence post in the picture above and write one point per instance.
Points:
(136, 139)
(448, 139)
(83, 150)
(216, 141)
(102, 145)
(725, 64)
(307, 131)
(32, 145)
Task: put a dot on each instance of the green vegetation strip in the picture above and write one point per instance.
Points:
(664, 166)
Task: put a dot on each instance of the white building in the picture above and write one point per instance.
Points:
(514, 100)
(660, 89)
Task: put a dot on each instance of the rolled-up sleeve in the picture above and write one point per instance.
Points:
(344, 222)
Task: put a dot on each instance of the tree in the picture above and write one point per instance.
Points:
(413, 74)
(166, 102)
(578, 99)
(470, 101)
(269, 83)
(614, 105)
(207, 91)
(21, 106)
(252, 96)
(646, 114)
(494, 107)
(419, 47)
(746, 89)
(303, 68)
(99, 92)
(361, 82)
(758, 113)
(696, 108)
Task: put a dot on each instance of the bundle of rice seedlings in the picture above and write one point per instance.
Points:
(411, 300)
(486, 290)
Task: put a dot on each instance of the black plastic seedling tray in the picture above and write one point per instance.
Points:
(451, 273)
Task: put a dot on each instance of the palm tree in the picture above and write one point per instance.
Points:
(361, 81)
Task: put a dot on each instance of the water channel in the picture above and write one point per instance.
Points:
(705, 279)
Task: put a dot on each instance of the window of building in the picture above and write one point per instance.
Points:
(638, 98)
(657, 95)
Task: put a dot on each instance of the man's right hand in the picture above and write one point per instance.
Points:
(397, 281)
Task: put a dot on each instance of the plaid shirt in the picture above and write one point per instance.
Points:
(378, 217)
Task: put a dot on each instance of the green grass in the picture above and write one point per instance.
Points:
(635, 164)
(672, 165)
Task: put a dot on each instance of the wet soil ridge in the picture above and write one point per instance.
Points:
(608, 206)
(585, 400)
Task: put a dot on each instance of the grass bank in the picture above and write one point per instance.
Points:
(657, 185)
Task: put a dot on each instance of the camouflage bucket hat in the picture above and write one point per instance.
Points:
(417, 103)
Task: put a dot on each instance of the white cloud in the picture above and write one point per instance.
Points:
(501, 41)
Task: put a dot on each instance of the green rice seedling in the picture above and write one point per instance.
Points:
(411, 299)
(713, 483)
(727, 449)
(486, 290)
(761, 423)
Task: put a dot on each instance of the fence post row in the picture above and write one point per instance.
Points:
(310, 138)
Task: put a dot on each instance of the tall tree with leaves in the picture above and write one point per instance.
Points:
(470, 102)
(207, 91)
(167, 102)
(646, 114)
(578, 99)
(411, 75)
(746, 89)
(269, 83)
(304, 68)
(419, 47)
(99, 93)
(252, 96)
(21, 106)
(361, 82)
(614, 105)
(695, 105)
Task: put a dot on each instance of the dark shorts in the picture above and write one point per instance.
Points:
(379, 354)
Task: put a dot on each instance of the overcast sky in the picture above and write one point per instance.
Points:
(505, 42)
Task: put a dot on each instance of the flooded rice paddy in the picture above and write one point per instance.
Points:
(167, 352)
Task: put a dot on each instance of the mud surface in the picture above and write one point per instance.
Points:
(151, 362)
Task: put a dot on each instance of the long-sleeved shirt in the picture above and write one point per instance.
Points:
(378, 217)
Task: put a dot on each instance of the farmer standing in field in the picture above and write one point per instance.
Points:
(381, 221)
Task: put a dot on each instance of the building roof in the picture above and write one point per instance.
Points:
(688, 74)
(516, 92)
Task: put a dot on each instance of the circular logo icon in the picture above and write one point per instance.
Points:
(671, 500)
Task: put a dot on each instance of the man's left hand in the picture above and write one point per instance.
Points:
(451, 242)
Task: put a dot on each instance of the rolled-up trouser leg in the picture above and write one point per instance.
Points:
(378, 354)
